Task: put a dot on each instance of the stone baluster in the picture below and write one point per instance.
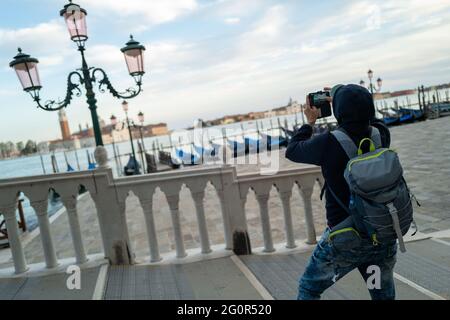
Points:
(285, 197)
(226, 222)
(199, 197)
(41, 207)
(123, 216)
(263, 202)
(147, 207)
(174, 200)
(306, 189)
(74, 223)
(20, 263)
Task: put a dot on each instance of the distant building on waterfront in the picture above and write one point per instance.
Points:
(291, 108)
(64, 124)
(120, 132)
(67, 141)
(153, 130)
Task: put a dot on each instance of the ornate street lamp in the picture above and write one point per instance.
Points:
(27, 72)
(372, 88)
(141, 118)
(136, 164)
(113, 121)
(75, 18)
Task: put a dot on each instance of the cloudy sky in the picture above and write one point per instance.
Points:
(208, 58)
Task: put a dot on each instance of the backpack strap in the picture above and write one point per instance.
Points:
(346, 143)
(349, 146)
(396, 224)
(376, 138)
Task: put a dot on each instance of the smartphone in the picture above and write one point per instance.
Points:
(319, 100)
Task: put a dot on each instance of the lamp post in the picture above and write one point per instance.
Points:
(125, 108)
(75, 17)
(372, 88)
(141, 127)
(113, 126)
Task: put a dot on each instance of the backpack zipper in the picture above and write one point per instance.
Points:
(335, 233)
(373, 156)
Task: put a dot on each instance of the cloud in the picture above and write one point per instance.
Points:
(233, 8)
(232, 21)
(153, 11)
(40, 39)
(278, 52)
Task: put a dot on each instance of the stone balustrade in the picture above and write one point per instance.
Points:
(110, 194)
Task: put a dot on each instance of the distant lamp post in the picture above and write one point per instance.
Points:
(141, 118)
(136, 165)
(113, 121)
(372, 88)
(75, 17)
(141, 129)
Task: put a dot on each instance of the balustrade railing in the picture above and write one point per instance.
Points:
(110, 195)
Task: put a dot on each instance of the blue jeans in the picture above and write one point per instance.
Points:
(327, 265)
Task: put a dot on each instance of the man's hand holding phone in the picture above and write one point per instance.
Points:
(312, 112)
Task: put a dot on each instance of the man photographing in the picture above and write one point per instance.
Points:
(331, 260)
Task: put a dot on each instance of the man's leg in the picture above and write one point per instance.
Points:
(385, 262)
(321, 272)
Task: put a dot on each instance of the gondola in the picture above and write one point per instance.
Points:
(274, 141)
(91, 164)
(133, 167)
(254, 145)
(390, 119)
(206, 152)
(238, 148)
(417, 114)
(187, 158)
(407, 117)
(69, 167)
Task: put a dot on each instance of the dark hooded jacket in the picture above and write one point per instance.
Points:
(354, 109)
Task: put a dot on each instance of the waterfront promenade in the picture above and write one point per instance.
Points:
(424, 151)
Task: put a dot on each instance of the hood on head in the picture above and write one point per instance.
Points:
(352, 104)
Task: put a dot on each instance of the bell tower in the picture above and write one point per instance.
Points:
(64, 123)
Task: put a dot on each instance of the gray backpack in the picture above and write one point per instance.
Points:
(380, 202)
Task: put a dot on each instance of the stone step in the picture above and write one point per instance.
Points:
(279, 274)
(49, 287)
(427, 264)
(215, 279)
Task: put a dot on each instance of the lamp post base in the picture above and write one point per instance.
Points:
(101, 157)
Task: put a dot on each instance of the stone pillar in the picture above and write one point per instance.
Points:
(45, 233)
(20, 263)
(74, 223)
(306, 194)
(147, 207)
(111, 218)
(235, 212)
(201, 220)
(288, 225)
(226, 223)
(263, 200)
(101, 157)
(173, 201)
(123, 217)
